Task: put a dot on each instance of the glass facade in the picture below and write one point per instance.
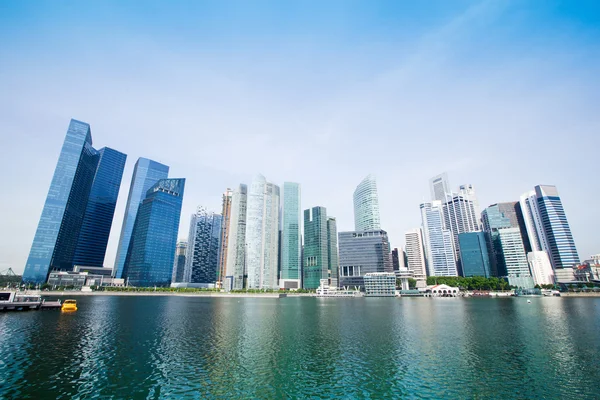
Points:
(95, 229)
(290, 232)
(361, 253)
(226, 213)
(332, 253)
(145, 174)
(474, 254)
(366, 205)
(154, 237)
(439, 187)
(202, 259)
(316, 260)
(235, 267)
(58, 230)
(179, 265)
(438, 241)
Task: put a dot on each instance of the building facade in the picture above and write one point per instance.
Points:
(226, 213)
(439, 187)
(179, 264)
(154, 236)
(100, 209)
(316, 260)
(438, 241)
(291, 238)
(204, 246)
(474, 254)
(332, 252)
(235, 266)
(541, 269)
(380, 284)
(415, 256)
(361, 253)
(366, 205)
(145, 174)
(461, 214)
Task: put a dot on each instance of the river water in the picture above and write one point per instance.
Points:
(127, 347)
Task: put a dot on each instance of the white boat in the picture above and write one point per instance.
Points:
(19, 301)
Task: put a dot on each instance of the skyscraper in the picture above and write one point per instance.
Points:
(439, 187)
(57, 235)
(154, 235)
(415, 255)
(179, 264)
(540, 267)
(145, 174)
(332, 252)
(474, 254)
(366, 205)
(316, 260)
(291, 240)
(204, 245)
(100, 210)
(361, 253)
(226, 213)
(262, 234)
(438, 241)
(235, 266)
(461, 213)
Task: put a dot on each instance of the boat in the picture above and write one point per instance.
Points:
(19, 301)
(69, 305)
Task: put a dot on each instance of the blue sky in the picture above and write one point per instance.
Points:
(500, 94)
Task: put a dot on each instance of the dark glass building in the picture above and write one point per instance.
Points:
(362, 252)
(145, 174)
(203, 253)
(57, 235)
(154, 237)
(179, 265)
(316, 259)
(474, 254)
(98, 218)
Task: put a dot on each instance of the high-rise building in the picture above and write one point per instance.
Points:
(58, 233)
(316, 260)
(291, 238)
(415, 255)
(262, 234)
(540, 267)
(226, 213)
(100, 210)
(438, 241)
(505, 244)
(204, 245)
(235, 267)
(154, 236)
(366, 205)
(145, 174)
(332, 252)
(179, 264)
(439, 187)
(360, 253)
(474, 254)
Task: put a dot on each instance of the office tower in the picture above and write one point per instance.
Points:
(360, 253)
(145, 174)
(204, 245)
(438, 241)
(395, 260)
(398, 259)
(262, 234)
(366, 205)
(235, 267)
(540, 267)
(474, 254)
(58, 230)
(415, 256)
(439, 187)
(290, 237)
(100, 210)
(154, 235)
(332, 252)
(179, 264)
(226, 213)
(316, 260)
(505, 244)
(461, 214)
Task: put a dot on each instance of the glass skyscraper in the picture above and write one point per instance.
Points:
(235, 267)
(204, 246)
(100, 210)
(439, 187)
(316, 260)
(226, 213)
(58, 232)
(154, 236)
(145, 174)
(474, 254)
(179, 264)
(290, 237)
(438, 241)
(415, 256)
(332, 252)
(366, 205)
(361, 253)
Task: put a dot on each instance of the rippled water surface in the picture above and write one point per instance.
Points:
(173, 347)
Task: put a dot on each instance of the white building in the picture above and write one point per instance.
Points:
(380, 284)
(540, 267)
(366, 206)
(437, 241)
(236, 247)
(461, 214)
(262, 234)
(439, 187)
(441, 291)
(415, 254)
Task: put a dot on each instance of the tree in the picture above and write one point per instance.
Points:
(412, 283)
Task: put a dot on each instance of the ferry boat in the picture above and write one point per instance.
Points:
(17, 301)
(69, 305)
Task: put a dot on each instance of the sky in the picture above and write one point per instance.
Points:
(501, 94)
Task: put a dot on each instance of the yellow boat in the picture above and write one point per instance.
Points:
(69, 305)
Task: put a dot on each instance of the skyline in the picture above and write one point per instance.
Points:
(412, 96)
